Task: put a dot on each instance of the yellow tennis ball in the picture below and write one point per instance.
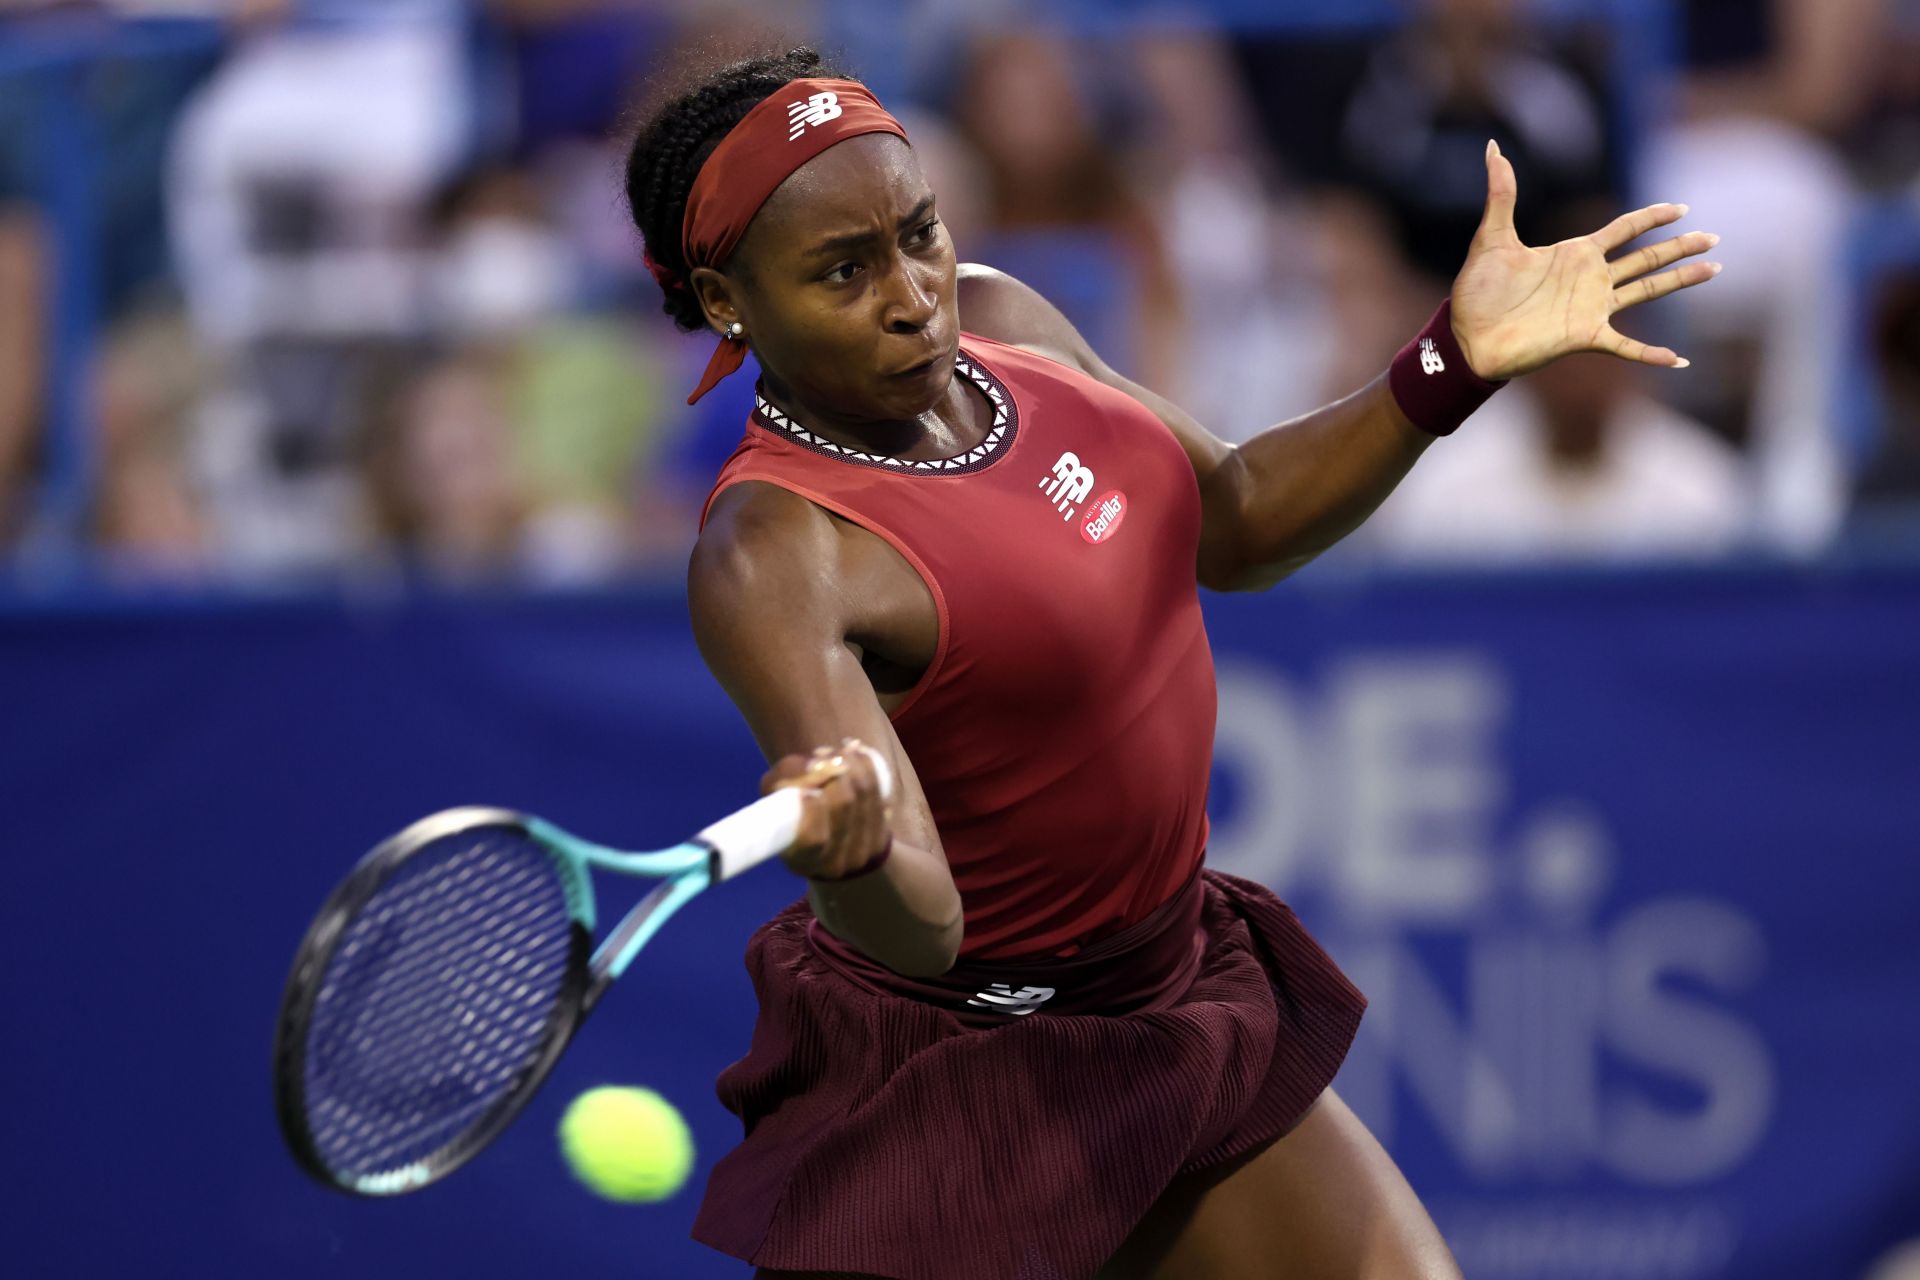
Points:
(629, 1145)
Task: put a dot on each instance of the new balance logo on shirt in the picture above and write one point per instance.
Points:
(1430, 358)
(1068, 484)
(818, 109)
(1004, 999)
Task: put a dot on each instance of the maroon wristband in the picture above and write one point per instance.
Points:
(1431, 380)
(868, 867)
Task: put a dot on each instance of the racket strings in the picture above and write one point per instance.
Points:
(436, 1000)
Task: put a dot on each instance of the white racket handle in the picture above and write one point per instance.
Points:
(768, 827)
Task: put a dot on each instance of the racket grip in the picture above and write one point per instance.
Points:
(748, 837)
(764, 829)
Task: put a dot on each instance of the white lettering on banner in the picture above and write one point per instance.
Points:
(1414, 742)
(1263, 741)
(1520, 1023)
(1723, 1059)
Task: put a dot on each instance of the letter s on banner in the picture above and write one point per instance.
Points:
(1709, 1048)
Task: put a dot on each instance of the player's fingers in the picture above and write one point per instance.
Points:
(1616, 343)
(865, 823)
(784, 772)
(1631, 226)
(1647, 288)
(815, 832)
(1503, 190)
(1656, 256)
(841, 804)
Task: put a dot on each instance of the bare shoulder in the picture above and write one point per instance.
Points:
(754, 521)
(996, 305)
(763, 547)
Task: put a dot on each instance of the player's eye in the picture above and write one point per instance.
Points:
(924, 233)
(841, 274)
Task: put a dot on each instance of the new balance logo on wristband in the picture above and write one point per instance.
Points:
(1433, 389)
(818, 109)
(1004, 999)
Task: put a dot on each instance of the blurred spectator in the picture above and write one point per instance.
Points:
(22, 357)
(1892, 475)
(298, 170)
(1061, 213)
(596, 418)
(1574, 463)
(588, 404)
(73, 129)
(440, 476)
(1408, 175)
(530, 460)
(1415, 133)
(1768, 87)
(147, 518)
(1232, 248)
(297, 182)
(572, 66)
(498, 266)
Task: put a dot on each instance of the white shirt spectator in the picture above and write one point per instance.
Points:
(1660, 487)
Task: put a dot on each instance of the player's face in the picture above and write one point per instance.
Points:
(845, 283)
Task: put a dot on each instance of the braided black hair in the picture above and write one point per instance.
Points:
(676, 140)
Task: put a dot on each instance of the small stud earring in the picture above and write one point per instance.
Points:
(736, 331)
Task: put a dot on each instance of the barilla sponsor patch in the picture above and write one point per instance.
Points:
(1104, 516)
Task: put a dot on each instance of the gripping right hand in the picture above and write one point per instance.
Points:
(845, 819)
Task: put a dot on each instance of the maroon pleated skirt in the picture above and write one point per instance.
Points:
(886, 1135)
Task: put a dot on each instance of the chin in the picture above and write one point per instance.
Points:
(919, 399)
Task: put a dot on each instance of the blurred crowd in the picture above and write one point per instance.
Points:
(320, 289)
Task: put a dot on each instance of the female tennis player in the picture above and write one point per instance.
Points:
(1016, 1029)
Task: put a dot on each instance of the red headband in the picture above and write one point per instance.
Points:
(787, 129)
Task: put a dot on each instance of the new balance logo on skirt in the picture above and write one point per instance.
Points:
(1005, 999)
(1430, 358)
(818, 109)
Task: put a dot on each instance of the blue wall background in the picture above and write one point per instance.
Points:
(1627, 864)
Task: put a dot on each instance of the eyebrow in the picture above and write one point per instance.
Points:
(855, 239)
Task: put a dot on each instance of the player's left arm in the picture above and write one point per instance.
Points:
(1272, 504)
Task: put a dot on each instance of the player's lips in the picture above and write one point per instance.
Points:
(918, 370)
(931, 356)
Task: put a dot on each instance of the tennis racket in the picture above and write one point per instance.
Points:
(442, 979)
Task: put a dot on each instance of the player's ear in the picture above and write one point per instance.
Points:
(717, 297)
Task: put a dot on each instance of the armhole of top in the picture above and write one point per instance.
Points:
(893, 540)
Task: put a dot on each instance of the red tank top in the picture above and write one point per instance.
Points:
(1063, 733)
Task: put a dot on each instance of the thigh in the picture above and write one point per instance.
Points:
(1326, 1202)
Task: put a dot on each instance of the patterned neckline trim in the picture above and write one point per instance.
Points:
(1006, 422)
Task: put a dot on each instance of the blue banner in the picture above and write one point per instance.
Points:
(1627, 866)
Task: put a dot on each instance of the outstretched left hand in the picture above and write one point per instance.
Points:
(1517, 308)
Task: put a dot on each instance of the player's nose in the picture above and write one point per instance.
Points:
(911, 300)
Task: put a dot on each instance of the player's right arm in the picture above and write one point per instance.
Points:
(776, 589)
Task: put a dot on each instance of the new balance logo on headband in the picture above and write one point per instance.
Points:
(818, 109)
